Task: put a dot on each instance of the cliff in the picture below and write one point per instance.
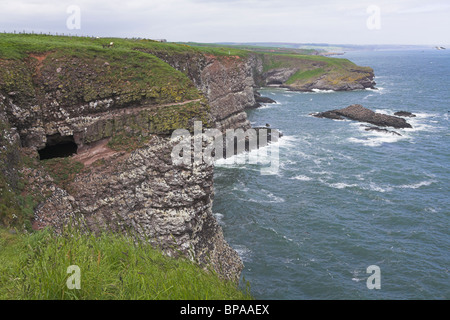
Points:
(85, 135)
(86, 139)
(226, 80)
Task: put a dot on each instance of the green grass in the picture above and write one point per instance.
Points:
(18, 46)
(237, 48)
(89, 72)
(303, 75)
(113, 267)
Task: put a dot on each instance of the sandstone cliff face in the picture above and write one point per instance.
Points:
(127, 181)
(143, 193)
(227, 81)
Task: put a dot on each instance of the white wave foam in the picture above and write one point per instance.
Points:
(338, 185)
(417, 185)
(379, 90)
(341, 185)
(267, 106)
(271, 198)
(376, 139)
(422, 115)
(364, 186)
(243, 252)
(372, 186)
(287, 141)
(301, 178)
(219, 218)
(241, 188)
(261, 156)
(322, 91)
(328, 173)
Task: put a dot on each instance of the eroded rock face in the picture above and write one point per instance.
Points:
(278, 76)
(143, 192)
(227, 82)
(359, 113)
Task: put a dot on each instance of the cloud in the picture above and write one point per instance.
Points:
(237, 20)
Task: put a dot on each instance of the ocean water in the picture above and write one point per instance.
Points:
(343, 198)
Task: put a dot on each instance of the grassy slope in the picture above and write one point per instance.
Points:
(87, 71)
(112, 267)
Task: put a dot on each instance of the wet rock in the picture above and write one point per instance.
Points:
(382, 130)
(404, 114)
(261, 99)
(359, 113)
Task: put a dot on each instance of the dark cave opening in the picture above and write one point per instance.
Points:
(274, 83)
(58, 147)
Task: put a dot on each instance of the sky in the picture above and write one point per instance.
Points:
(408, 22)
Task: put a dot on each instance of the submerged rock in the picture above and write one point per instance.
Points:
(404, 114)
(359, 113)
(382, 130)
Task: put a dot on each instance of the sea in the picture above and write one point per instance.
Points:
(350, 213)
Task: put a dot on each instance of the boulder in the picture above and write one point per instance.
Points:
(359, 113)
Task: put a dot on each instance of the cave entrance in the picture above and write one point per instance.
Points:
(58, 147)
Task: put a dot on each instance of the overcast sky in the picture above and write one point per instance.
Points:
(299, 21)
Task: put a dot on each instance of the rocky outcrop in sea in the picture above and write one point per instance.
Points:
(359, 113)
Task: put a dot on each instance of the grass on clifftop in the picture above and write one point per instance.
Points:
(112, 267)
(18, 46)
